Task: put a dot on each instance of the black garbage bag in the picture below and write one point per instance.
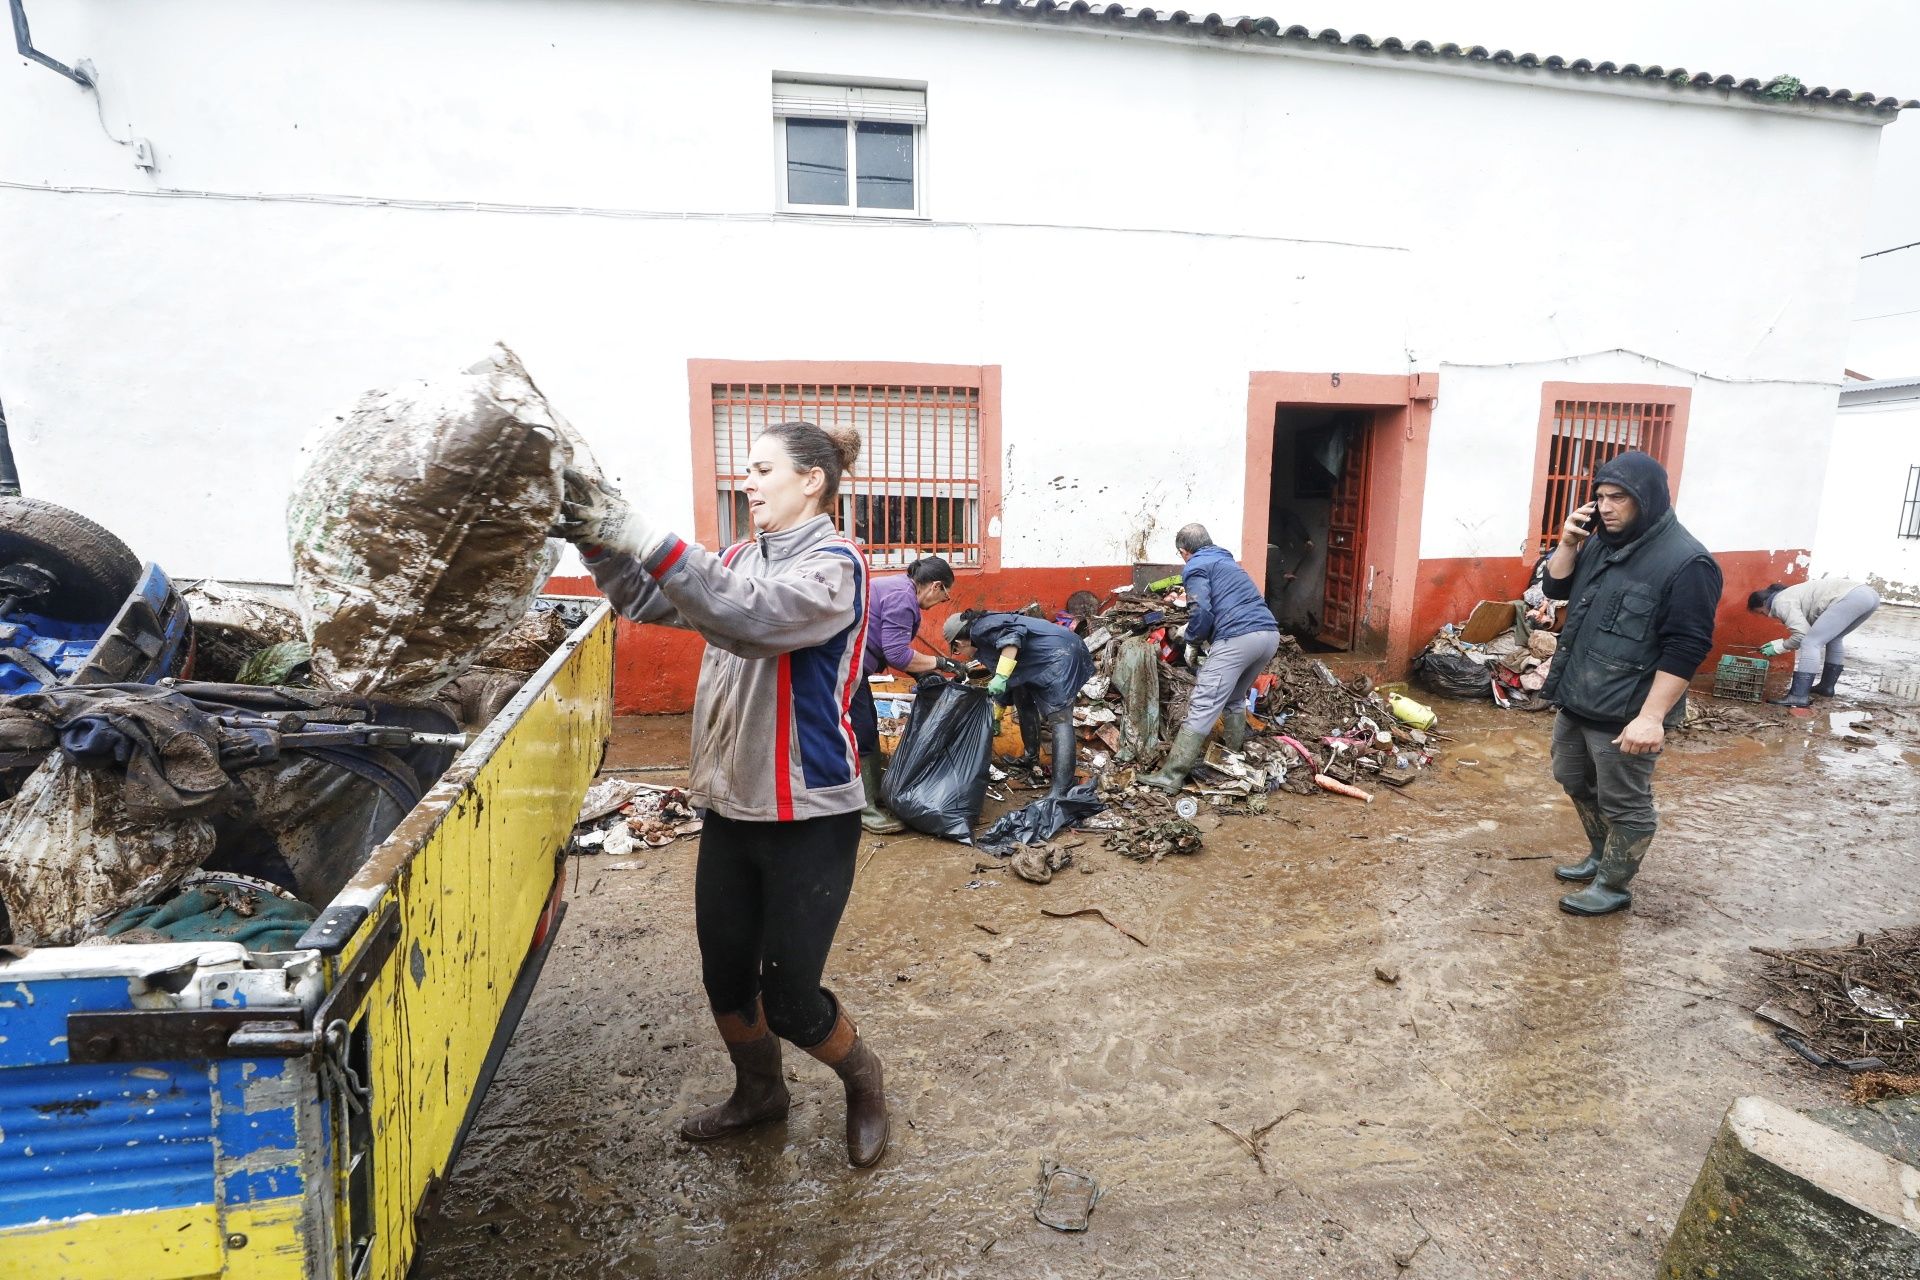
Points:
(1040, 821)
(938, 776)
(1453, 675)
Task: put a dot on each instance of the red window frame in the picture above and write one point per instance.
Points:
(1582, 424)
(797, 386)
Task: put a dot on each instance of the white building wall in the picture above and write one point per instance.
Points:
(1875, 446)
(1128, 227)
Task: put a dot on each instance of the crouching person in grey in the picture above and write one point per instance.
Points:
(1642, 593)
(1232, 619)
(1820, 615)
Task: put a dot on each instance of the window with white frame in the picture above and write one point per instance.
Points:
(852, 149)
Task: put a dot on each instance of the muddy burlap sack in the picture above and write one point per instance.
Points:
(418, 526)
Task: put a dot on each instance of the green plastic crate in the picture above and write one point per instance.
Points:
(1741, 679)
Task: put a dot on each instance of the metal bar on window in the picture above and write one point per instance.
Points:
(1586, 435)
(918, 489)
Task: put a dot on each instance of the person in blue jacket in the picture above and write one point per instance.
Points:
(1040, 669)
(1232, 619)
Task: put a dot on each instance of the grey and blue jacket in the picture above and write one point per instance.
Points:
(784, 617)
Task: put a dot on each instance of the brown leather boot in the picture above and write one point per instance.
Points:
(759, 1090)
(859, 1069)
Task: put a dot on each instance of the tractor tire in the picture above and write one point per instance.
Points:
(95, 571)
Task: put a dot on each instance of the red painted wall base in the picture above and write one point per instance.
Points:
(655, 668)
(1450, 588)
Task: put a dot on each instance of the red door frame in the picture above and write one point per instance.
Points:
(1403, 414)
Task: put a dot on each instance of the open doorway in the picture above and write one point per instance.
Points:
(1317, 509)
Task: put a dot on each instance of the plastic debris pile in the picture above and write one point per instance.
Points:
(1305, 723)
(1497, 653)
(618, 817)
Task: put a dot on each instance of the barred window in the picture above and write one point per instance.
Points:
(1581, 435)
(916, 489)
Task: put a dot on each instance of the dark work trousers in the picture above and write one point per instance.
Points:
(1597, 773)
(767, 897)
(866, 719)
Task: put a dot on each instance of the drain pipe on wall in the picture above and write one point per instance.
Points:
(83, 74)
(23, 41)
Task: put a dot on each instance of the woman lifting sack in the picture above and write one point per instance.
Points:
(774, 762)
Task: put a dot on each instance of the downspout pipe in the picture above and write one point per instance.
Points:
(23, 41)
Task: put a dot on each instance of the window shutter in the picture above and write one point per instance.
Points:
(848, 102)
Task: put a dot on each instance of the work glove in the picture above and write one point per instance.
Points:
(949, 667)
(594, 515)
(1773, 648)
(997, 686)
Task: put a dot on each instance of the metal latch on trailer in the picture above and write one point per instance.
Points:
(171, 1035)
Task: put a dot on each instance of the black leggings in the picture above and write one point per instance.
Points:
(866, 719)
(767, 898)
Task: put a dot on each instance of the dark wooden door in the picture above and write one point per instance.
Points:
(1346, 539)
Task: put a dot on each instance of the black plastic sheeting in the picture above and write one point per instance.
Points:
(1453, 675)
(1040, 821)
(937, 780)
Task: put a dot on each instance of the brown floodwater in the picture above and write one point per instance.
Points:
(1530, 1097)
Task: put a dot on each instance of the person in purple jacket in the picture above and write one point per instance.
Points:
(893, 621)
(774, 767)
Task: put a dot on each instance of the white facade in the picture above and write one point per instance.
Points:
(1127, 226)
(1867, 530)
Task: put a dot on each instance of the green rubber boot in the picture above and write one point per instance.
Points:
(1596, 828)
(1619, 863)
(875, 817)
(1233, 731)
(1186, 753)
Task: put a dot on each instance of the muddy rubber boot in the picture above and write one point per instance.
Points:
(1829, 680)
(1619, 863)
(859, 1069)
(1066, 758)
(1186, 753)
(759, 1090)
(1800, 695)
(1596, 828)
(875, 817)
(1029, 721)
(1233, 731)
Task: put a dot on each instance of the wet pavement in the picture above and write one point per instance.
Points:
(1530, 1096)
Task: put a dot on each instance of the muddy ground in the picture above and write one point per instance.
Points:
(1531, 1097)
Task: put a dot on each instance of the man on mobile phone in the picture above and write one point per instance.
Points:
(1641, 595)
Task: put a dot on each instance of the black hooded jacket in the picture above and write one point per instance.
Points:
(1672, 567)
